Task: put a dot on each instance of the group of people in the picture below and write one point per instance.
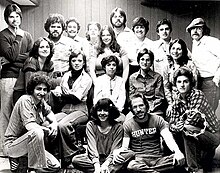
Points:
(148, 106)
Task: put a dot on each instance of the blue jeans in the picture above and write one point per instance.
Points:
(32, 145)
(200, 151)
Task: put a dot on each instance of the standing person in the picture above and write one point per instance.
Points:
(15, 45)
(161, 46)
(73, 91)
(206, 55)
(72, 30)
(178, 58)
(63, 45)
(39, 60)
(200, 149)
(124, 35)
(108, 46)
(104, 135)
(142, 138)
(140, 27)
(31, 122)
(148, 83)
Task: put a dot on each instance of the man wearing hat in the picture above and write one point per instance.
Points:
(206, 56)
(142, 135)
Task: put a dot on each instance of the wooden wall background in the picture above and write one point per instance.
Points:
(180, 13)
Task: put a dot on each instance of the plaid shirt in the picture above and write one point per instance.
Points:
(195, 100)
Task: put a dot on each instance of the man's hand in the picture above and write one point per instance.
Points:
(52, 129)
(104, 168)
(179, 158)
(117, 158)
(97, 168)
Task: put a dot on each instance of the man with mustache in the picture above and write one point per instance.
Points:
(160, 47)
(15, 45)
(206, 56)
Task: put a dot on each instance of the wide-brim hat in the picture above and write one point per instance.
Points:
(195, 23)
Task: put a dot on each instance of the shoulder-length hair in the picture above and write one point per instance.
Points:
(121, 12)
(11, 8)
(87, 29)
(75, 53)
(114, 46)
(184, 58)
(54, 18)
(37, 79)
(105, 104)
(34, 51)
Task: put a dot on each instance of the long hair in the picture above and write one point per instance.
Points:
(11, 8)
(74, 54)
(184, 58)
(122, 12)
(105, 104)
(34, 51)
(114, 46)
(37, 79)
(87, 29)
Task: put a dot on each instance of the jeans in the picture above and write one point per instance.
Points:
(7, 89)
(32, 145)
(66, 126)
(201, 150)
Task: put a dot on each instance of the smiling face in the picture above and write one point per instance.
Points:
(118, 20)
(145, 62)
(77, 62)
(164, 32)
(72, 29)
(14, 20)
(55, 30)
(103, 115)
(140, 31)
(110, 68)
(93, 31)
(176, 51)
(196, 33)
(139, 108)
(40, 92)
(44, 49)
(183, 85)
(106, 37)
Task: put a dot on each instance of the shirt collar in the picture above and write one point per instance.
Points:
(150, 74)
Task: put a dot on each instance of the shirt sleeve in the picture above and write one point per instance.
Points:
(167, 85)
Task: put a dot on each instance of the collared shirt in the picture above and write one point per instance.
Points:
(151, 86)
(160, 49)
(62, 51)
(114, 89)
(25, 111)
(195, 100)
(206, 55)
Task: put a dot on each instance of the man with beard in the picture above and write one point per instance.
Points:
(63, 45)
(161, 46)
(15, 45)
(141, 139)
(206, 56)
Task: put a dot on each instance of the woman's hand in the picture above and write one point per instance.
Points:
(97, 168)
(104, 168)
(180, 125)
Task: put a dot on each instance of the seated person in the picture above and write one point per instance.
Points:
(31, 122)
(104, 135)
(148, 83)
(109, 85)
(72, 91)
(142, 135)
(199, 150)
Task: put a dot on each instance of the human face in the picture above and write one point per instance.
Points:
(106, 37)
(110, 68)
(139, 108)
(72, 29)
(77, 62)
(14, 20)
(55, 30)
(44, 49)
(118, 20)
(40, 92)
(176, 51)
(183, 85)
(93, 31)
(102, 115)
(196, 33)
(140, 31)
(164, 32)
(145, 62)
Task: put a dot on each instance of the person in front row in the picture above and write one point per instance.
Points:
(31, 122)
(142, 135)
(104, 135)
(199, 150)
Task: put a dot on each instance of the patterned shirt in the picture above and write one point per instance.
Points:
(195, 100)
